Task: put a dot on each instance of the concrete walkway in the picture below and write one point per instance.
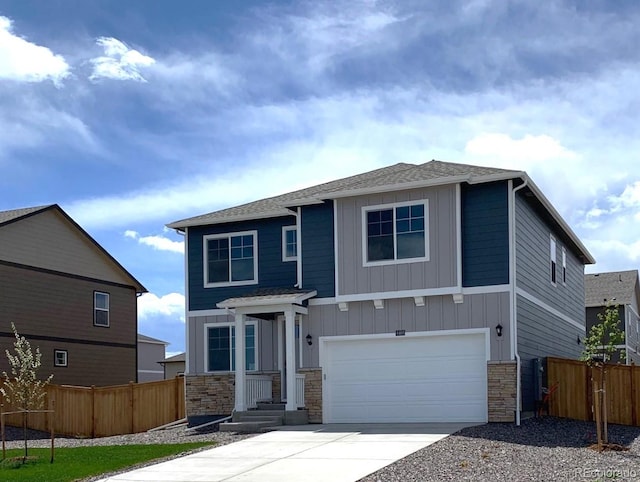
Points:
(314, 453)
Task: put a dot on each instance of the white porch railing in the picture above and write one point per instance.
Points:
(300, 390)
(257, 389)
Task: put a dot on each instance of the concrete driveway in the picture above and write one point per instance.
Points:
(314, 453)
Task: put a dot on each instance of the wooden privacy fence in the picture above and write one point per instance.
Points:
(105, 411)
(574, 396)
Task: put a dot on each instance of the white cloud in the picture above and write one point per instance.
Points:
(528, 149)
(25, 61)
(159, 243)
(119, 62)
(172, 304)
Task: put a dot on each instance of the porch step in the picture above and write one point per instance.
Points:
(254, 415)
(297, 417)
(250, 426)
(270, 406)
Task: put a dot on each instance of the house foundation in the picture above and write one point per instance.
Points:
(501, 377)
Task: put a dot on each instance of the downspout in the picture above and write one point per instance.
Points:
(514, 299)
(298, 215)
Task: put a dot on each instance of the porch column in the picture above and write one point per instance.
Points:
(240, 405)
(280, 328)
(290, 358)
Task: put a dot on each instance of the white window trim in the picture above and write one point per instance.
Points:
(393, 206)
(229, 324)
(55, 358)
(564, 265)
(107, 309)
(553, 259)
(285, 230)
(205, 259)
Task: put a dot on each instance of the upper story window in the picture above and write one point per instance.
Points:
(395, 233)
(553, 258)
(230, 259)
(289, 243)
(564, 266)
(100, 308)
(221, 347)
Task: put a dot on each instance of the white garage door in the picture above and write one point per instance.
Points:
(414, 378)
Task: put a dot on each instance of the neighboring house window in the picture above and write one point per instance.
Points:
(100, 308)
(221, 347)
(395, 233)
(230, 259)
(552, 256)
(289, 243)
(60, 358)
(564, 266)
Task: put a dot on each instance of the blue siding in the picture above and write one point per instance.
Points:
(318, 256)
(485, 234)
(272, 271)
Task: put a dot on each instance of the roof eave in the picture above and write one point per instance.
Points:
(189, 223)
(589, 259)
(396, 187)
(297, 299)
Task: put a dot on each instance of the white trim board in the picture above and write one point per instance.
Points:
(529, 297)
(213, 312)
(390, 295)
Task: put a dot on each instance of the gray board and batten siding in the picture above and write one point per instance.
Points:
(542, 333)
(438, 272)
(438, 313)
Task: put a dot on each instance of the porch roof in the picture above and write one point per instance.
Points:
(269, 297)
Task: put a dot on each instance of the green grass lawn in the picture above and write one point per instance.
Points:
(80, 462)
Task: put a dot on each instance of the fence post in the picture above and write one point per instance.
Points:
(176, 391)
(589, 395)
(634, 400)
(132, 406)
(93, 411)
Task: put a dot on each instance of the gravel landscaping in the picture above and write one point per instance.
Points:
(14, 439)
(541, 449)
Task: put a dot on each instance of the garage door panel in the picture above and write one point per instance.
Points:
(422, 378)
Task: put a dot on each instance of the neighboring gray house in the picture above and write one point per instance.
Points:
(411, 293)
(150, 353)
(173, 366)
(619, 288)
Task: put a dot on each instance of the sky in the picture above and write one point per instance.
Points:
(134, 114)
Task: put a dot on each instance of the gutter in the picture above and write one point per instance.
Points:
(514, 299)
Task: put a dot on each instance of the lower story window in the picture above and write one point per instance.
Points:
(60, 358)
(221, 348)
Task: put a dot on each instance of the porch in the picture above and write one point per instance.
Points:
(285, 308)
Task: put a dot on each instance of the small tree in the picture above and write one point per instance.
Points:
(22, 388)
(599, 346)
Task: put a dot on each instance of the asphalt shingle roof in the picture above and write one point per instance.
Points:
(149, 339)
(6, 216)
(602, 287)
(395, 175)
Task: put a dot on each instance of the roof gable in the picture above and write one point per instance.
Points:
(601, 288)
(46, 237)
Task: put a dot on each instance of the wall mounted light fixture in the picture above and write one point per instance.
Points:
(499, 329)
(309, 340)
